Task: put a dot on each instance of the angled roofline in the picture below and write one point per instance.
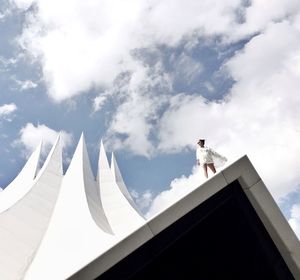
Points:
(258, 195)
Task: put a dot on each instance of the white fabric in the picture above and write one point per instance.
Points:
(207, 155)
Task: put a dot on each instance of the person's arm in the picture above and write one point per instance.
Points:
(214, 153)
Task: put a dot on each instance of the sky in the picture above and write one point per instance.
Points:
(150, 78)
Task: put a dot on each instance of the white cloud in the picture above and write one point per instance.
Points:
(260, 13)
(6, 110)
(133, 128)
(143, 200)
(135, 117)
(26, 84)
(209, 86)
(5, 63)
(179, 187)
(186, 68)
(99, 101)
(5, 10)
(82, 45)
(91, 39)
(295, 219)
(259, 116)
(3, 15)
(95, 40)
(30, 137)
(24, 4)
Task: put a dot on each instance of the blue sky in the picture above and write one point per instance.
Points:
(150, 78)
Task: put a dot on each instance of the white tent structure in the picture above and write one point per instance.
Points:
(55, 226)
(52, 224)
(22, 183)
(26, 211)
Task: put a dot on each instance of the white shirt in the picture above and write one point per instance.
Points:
(206, 155)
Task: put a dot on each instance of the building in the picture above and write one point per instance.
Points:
(55, 226)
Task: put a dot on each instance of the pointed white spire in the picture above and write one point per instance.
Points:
(104, 172)
(80, 167)
(29, 217)
(53, 161)
(103, 161)
(121, 215)
(78, 230)
(38, 152)
(22, 183)
(120, 182)
(91, 190)
(115, 169)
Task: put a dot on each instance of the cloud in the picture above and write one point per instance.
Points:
(135, 117)
(5, 11)
(26, 84)
(86, 45)
(2, 16)
(179, 187)
(6, 111)
(5, 63)
(30, 137)
(24, 4)
(99, 101)
(186, 68)
(260, 13)
(143, 200)
(93, 45)
(82, 46)
(92, 40)
(294, 221)
(130, 127)
(259, 116)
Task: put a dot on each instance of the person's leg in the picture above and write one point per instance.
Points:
(212, 167)
(205, 170)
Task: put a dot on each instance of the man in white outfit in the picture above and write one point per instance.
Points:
(205, 157)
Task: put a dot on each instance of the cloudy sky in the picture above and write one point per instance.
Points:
(150, 77)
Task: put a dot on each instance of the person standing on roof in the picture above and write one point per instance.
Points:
(206, 157)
